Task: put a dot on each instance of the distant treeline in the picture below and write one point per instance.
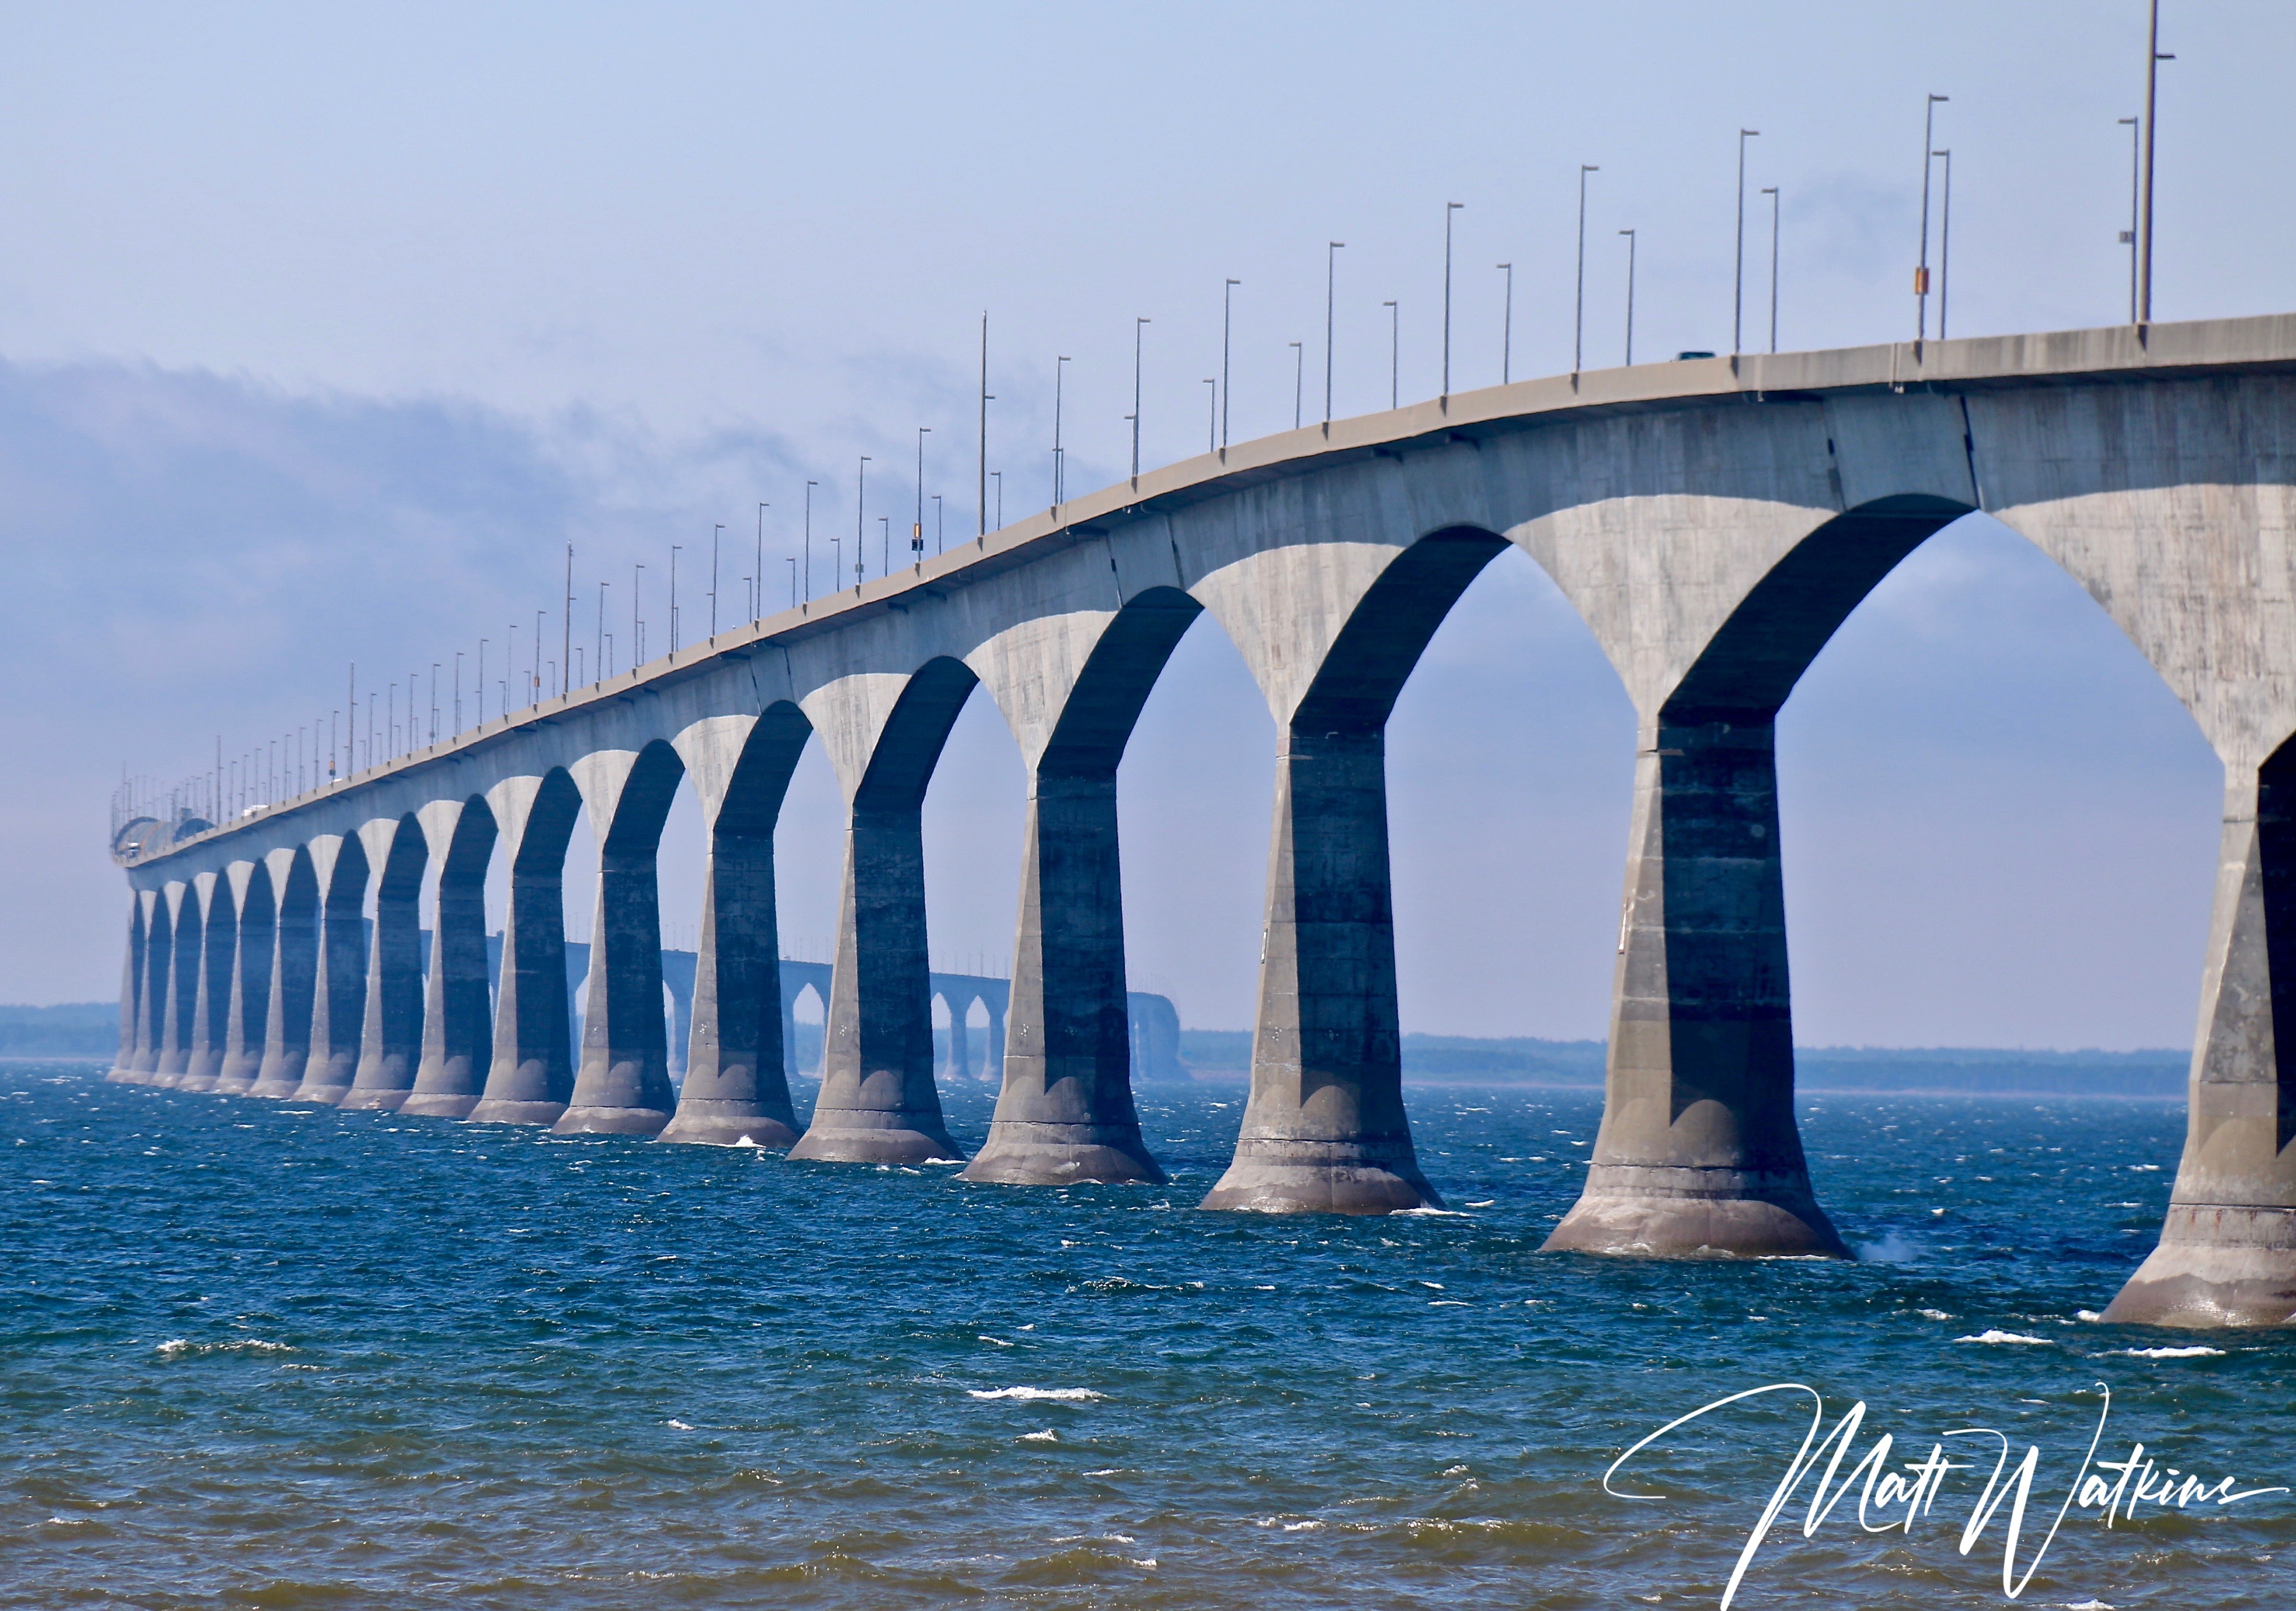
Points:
(1462, 1059)
(77, 1029)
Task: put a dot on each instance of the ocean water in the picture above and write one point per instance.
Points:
(276, 1356)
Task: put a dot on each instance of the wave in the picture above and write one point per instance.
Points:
(1064, 1394)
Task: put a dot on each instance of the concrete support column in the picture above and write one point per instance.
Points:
(2228, 1253)
(211, 1012)
(622, 1086)
(532, 1074)
(339, 991)
(457, 1028)
(294, 975)
(1699, 1153)
(878, 1103)
(151, 1009)
(390, 1034)
(1065, 1111)
(133, 1013)
(182, 1003)
(254, 946)
(736, 1083)
(1325, 1130)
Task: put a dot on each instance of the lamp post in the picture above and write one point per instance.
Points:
(1331, 257)
(638, 625)
(1944, 242)
(760, 571)
(1060, 481)
(2153, 59)
(861, 492)
(715, 532)
(604, 669)
(1227, 293)
(1298, 380)
(566, 622)
(810, 485)
(673, 597)
(1138, 326)
(940, 525)
(1578, 320)
(1771, 190)
(1738, 269)
(1395, 355)
(1629, 234)
(761, 584)
(2135, 190)
(998, 476)
(1921, 273)
(458, 693)
(983, 489)
(1506, 328)
(917, 532)
(1448, 209)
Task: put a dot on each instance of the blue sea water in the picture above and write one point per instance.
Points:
(264, 1355)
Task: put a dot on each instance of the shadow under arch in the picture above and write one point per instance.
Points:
(878, 1103)
(457, 1020)
(180, 1006)
(390, 1044)
(211, 1015)
(736, 1086)
(1325, 1130)
(254, 942)
(531, 1076)
(1065, 1113)
(339, 996)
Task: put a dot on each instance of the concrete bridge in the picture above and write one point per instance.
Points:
(1712, 520)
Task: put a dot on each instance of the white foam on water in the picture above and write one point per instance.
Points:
(1432, 1214)
(681, 1425)
(1996, 1336)
(179, 1347)
(1063, 1394)
(1046, 1436)
(2171, 1353)
(1934, 1314)
(998, 1341)
(1891, 1249)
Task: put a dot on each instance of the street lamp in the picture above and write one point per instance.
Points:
(1060, 481)
(761, 572)
(810, 485)
(673, 597)
(1771, 190)
(1629, 234)
(1137, 325)
(1448, 209)
(1506, 328)
(2153, 59)
(1578, 320)
(1331, 257)
(1394, 354)
(1944, 242)
(917, 532)
(940, 525)
(1227, 293)
(2135, 192)
(1921, 273)
(1299, 378)
(715, 532)
(1738, 271)
(861, 492)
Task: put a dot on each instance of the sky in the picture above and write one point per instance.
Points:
(325, 330)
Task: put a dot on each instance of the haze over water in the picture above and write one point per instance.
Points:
(279, 1356)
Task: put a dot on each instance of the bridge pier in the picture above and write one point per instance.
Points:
(294, 973)
(457, 1035)
(2227, 1252)
(1064, 1113)
(254, 944)
(131, 993)
(339, 990)
(182, 985)
(1699, 1152)
(212, 1010)
(532, 1074)
(1325, 1130)
(390, 1034)
(736, 1087)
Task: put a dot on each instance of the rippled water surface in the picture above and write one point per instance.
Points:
(258, 1356)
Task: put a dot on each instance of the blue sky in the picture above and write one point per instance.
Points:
(322, 333)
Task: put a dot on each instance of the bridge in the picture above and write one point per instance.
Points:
(1712, 520)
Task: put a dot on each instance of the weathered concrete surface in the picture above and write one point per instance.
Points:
(457, 1025)
(736, 1088)
(532, 1076)
(338, 983)
(390, 1034)
(212, 1005)
(254, 944)
(182, 983)
(294, 972)
(878, 1103)
(1712, 521)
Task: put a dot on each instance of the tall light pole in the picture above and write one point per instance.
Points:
(1138, 324)
(1331, 258)
(2135, 190)
(1394, 354)
(1448, 209)
(604, 669)
(1944, 242)
(566, 627)
(861, 506)
(940, 525)
(2153, 59)
(1506, 328)
(917, 532)
(1578, 320)
(810, 485)
(1298, 380)
(760, 570)
(716, 532)
(1738, 277)
(1060, 480)
(1629, 234)
(638, 625)
(458, 694)
(1771, 190)
(982, 490)
(674, 547)
(998, 476)
(1922, 272)
(1228, 293)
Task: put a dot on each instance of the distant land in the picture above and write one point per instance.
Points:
(91, 1030)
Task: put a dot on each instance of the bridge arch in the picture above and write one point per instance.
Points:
(457, 1005)
(531, 1076)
